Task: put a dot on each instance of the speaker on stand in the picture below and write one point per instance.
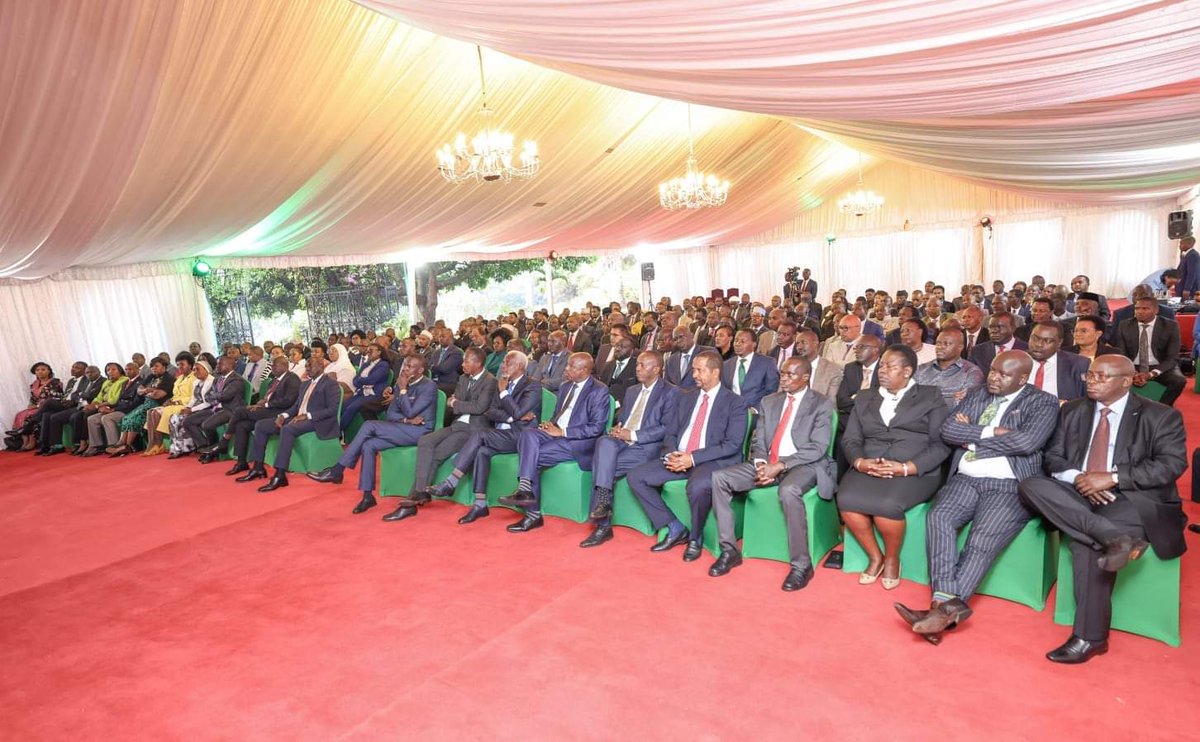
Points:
(1179, 224)
(647, 278)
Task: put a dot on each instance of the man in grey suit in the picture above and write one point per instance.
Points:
(826, 375)
(790, 448)
(475, 392)
(1000, 430)
(678, 368)
(554, 362)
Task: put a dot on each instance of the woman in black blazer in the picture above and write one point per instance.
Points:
(894, 447)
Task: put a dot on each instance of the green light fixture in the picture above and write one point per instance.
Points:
(201, 268)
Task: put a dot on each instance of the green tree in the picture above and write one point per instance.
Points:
(443, 276)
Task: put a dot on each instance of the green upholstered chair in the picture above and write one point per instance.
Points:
(398, 465)
(1026, 569)
(1145, 600)
(549, 402)
(764, 531)
(1152, 390)
(247, 393)
(914, 562)
(627, 511)
(309, 453)
(68, 436)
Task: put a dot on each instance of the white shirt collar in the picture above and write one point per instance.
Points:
(1118, 407)
(900, 394)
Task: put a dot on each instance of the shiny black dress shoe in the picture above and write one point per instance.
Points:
(1076, 651)
(599, 535)
(326, 475)
(400, 513)
(729, 559)
(52, 451)
(238, 468)
(256, 473)
(277, 481)
(92, 452)
(528, 523)
(797, 579)
(1121, 551)
(209, 457)
(518, 499)
(365, 504)
(667, 543)
(475, 513)
(441, 489)
(1194, 528)
(602, 510)
(693, 551)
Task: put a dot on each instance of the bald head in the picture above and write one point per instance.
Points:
(1109, 378)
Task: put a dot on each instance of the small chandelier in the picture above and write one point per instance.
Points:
(861, 201)
(695, 190)
(490, 156)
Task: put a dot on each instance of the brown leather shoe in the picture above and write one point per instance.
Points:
(943, 616)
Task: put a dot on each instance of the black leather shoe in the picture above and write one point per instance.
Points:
(1076, 651)
(692, 552)
(1194, 528)
(418, 499)
(518, 499)
(365, 504)
(475, 513)
(53, 450)
(256, 473)
(441, 489)
(669, 543)
(91, 452)
(599, 535)
(729, 559)
(208, 457)
(528, 523)
(179, 454)
(326, 475)
(238, 468)
(400, 513)
(42, 452)
(1121, 551)
(943, 616)
(797, 579)
(277, 481)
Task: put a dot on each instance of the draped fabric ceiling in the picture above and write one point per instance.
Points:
(141, 130)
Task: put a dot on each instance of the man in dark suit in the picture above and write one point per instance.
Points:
(1000, 431)
(678, 369)
(280, 396)
(580, 417)
(231, 396)
(1189, 268)
(1086, 304)
(68, 401)
(1055, 370)
(411, 415)
(706, 435)
(315, 410)
(1041, 310)
(1081, 288)
(749, 374)
(1113, 462)
(789, 449)
(1126, 312)
(553, 364)
(1152, 343)
(621, 372)
(974, 333)
(579, 339)
(650, 331)
(647, 409)
(445, 365)
(69, 410)
(473, 396)
(785, 342)
(1000, 340)
(861, 373)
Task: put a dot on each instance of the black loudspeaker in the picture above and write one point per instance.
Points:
(1179, 225)
(647, 271)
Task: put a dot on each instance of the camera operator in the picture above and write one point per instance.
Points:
(797, 283)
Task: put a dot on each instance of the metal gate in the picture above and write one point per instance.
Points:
(343, 311)
(232, 324)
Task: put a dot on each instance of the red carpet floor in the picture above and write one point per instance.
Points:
(147, 599)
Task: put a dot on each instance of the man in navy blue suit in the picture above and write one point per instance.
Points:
(749, 374)
(706, 435)
(579, 419)
(678, 368)
(445, 364)
(1055, 370)
(634, 440)
(1189, 268)
(315, 410)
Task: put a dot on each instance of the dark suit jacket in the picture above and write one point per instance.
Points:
(476, 400)
(726, 428)
(87, 390)
(915, 433)
(551, 378)
(984, 353)
(1071, 370)
(649, 339)
(589, 418)
(672, 373)
(129, 399)
(812, 429)
(285, 393)
(983, 337)
(626, 379)
(376, 379)
(1189, 273)
(420, 400)
(762, 378)
(659, 412)
(233, 394)
(583, 342)
(1164, 342)
(849, 389)
(1149, 455)
(445, 366)
(526, 397)
(1126, 312)
(322, 406)
(1030, 420)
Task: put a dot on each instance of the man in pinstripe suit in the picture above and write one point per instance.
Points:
(1000, 429)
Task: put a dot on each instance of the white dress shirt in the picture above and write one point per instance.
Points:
(1117, 412)
(1050, 380)
(749, 359)
(887, 410)
(787, 446)
(993, 467)
(868, 375)
(784, 354)
(1151, 361)
(687, 432)
(564, 419)
(507, 424)
(646, 391)
(474, 381)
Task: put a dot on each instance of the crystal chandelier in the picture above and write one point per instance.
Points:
(695, 190)
(490, 156)
(860, 201)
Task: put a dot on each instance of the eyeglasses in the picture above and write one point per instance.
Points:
(1097, 376)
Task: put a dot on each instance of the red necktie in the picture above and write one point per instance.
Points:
(698, 425)
(1040, 378)
(780, 429)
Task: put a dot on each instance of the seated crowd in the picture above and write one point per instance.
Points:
(998, 407)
